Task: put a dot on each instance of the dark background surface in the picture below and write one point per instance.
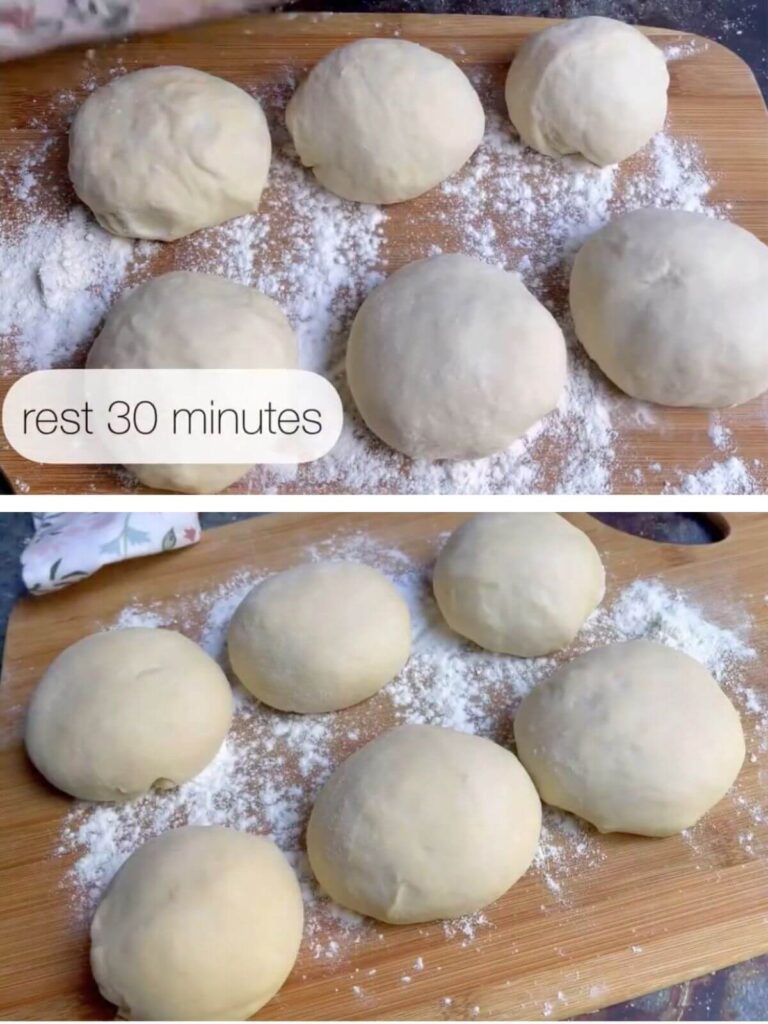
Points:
(738, 993)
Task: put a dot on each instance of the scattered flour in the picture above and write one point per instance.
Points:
(57, 280)
(719, 434)
(319, 256)
(566, 849)
(648, 608)
(517, 209)
(681, 51)
(729, 476)
(316, 254)
(266, 775)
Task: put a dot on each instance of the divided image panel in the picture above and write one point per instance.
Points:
(597, 919)
(319, 256)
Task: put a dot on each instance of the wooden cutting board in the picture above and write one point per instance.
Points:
(714, 100)
(647, 914)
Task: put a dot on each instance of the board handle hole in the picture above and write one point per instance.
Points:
(669, 527)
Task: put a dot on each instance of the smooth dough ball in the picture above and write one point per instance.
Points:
(517, 582)
(320, 637)
(185, 320)
(592, 86)
(165, 151)
(450, 358)
(383, 120)
(424, 823)
(635, 737)
(672, 306)
(121, 712)
(198, 924)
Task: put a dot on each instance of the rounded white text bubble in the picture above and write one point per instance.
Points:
(172, 416)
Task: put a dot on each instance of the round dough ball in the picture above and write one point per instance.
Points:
(450, 358)
(189, 477)
(635, 737)
(518, 582)
(592, 86)
(672, 306)
(383, 120)
(198, 924)
(320, 637)
(185, 320)
(424, 823)
(165, 151)
(121, 712)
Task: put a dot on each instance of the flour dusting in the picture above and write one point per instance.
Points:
(319, 256)
(267, 773)
(57, 280)
(727, 476)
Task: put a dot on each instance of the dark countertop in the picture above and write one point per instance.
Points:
(737, 993)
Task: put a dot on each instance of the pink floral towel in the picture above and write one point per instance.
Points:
(28, 26)
(69, 546)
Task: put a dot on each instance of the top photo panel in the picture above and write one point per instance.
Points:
(510, 255)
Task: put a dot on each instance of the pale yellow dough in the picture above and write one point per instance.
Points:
(383, 120)
(634, 737)
(518, 582)
(200, 923)
(424, 823)
(164, 151)
(123, 711)
(320, 637)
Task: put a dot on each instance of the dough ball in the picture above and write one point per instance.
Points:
(453, 359)
(592, 86)
(198, 924)
(672, 306)
(121, 712)
(188, 477)
(423, 823)
(517, 582)
(635, 737)
(184, 320)
(165, 151)
(382, 120)
(195, 321)
(320, 637)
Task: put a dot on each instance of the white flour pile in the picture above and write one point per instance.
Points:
(57, 280)
(319, 256)
(729, 476)
(266, 776)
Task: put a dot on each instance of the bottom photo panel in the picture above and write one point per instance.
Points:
(502, 766)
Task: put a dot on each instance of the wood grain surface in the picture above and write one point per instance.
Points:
(646, 914)
(714, 100)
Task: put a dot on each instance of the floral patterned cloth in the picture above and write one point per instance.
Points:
(28, 26)
(69, 546)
